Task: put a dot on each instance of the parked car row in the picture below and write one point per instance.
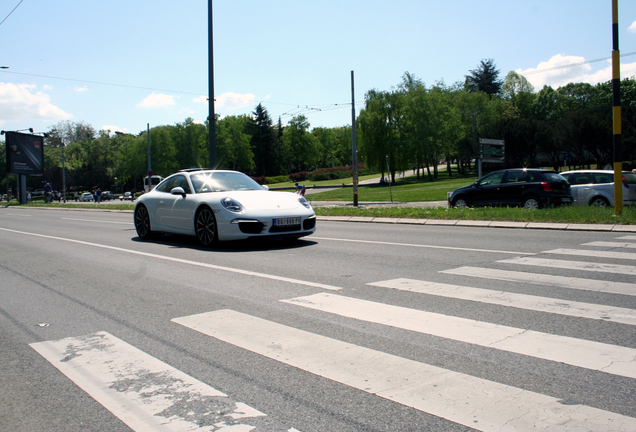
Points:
(537, 188)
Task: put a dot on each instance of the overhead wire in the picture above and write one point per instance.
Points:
(16, 6)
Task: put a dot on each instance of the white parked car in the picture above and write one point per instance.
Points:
(221, 205)
(87, 196)
(596, 187)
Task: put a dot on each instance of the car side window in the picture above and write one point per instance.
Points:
(578, 179)
(166, 185)
(602, 179)
(516, 176)
(181, 181)
(490, 179)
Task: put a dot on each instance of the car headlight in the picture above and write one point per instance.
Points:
(232, 205)
(304, 202)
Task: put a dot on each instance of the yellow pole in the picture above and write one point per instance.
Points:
(616, 113)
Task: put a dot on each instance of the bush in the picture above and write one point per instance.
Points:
(260, 180)
(277, 179)
(298, 177)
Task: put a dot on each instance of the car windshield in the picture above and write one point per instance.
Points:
(219, 181)
(554, 177)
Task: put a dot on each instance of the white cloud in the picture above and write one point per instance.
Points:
(22, 102)
(231, 100)
(157, 100)
(561, 70)
(80, 89)
(632, 28)
(112, 129)
(201, 99)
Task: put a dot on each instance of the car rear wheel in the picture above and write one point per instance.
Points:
(205, 226)
(531, 203)
(460, 202)
(142, 223)
(599, 202)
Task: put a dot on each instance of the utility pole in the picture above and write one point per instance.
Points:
(616, 113)
(354, 149)
(212, 115)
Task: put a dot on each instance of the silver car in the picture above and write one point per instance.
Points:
(596, 187)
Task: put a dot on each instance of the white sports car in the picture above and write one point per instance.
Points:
(221, 205)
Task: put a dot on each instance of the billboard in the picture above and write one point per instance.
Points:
(25, 153)
(492, 150)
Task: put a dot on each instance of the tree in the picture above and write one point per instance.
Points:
(233, 143)
(303, 146)
(484, 79)
(262, 142)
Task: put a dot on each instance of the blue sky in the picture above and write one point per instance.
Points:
(119, 65)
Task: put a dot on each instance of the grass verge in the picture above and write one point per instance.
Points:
(569, 214)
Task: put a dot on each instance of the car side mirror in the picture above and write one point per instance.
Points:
(265, 187)
(178, 191)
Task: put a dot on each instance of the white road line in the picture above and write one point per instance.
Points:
(627, 238)
(593, 253)
(142, 391)
(597, 356)
(542, 279)
(572, 265)
(422, 246)
(611, 244)
(473, 402)
(98, 221)
(522, 301)
(182, 261)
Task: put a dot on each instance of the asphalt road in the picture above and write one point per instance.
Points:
(360, 327)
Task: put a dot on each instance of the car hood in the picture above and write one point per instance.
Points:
(266, 200)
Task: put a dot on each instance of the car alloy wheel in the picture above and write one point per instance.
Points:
(599, 202)
(460, 203)
(531, 203)
(205, 226)
(142, 222)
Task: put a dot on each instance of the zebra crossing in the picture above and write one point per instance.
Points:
(459, 397)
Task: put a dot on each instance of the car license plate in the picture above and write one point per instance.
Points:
(287, 221)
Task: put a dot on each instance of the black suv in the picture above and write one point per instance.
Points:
(525, 187)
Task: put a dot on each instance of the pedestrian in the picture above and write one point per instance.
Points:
(28, 196)
(48, 190)
(98, 195)
(300, 189)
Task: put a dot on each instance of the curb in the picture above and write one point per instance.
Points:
(483, 224)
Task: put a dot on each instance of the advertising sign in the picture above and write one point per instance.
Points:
(25, 153)
(491, 150)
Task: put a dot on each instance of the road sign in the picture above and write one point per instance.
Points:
(491, 150)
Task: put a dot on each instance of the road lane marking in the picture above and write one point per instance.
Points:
(423, 246)
(142, 391)
(473, 402)
(183, 261)
(593, 253)
(522, 301)
(98, 221)
(627, 238)
(612, 359)
(611, 244)
(542, 279)
(572, 265)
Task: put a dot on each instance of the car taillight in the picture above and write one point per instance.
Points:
(547, 187)
(625, 183)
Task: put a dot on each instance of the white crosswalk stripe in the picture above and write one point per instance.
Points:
(521, 301)
(543, 279)
(573, 265)
(593, 253)
(611, 244)
(142, 391)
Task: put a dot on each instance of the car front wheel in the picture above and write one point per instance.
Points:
(460, 202)
(205, 226)
(142, 222)
(599, 202)
(531, 203)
